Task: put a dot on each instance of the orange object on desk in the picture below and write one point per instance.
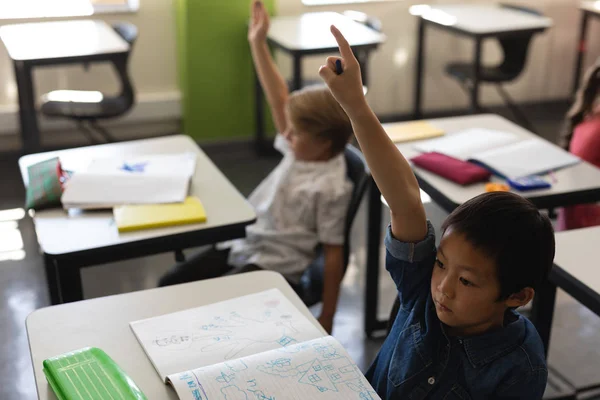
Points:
(496, 187)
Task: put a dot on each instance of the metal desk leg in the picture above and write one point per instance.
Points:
(69, 283)
(476, 75)
(297, 78)
(419, 70)
(581, 49)
(30, 133)
(542, 311)
(52, 280)
(372, 323)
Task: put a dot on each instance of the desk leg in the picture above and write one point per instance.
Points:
(372, 323)
(297, 79)
(30, 133)
(542, 311)
(581, 49)
(419, 70)
(476, 75)
(69, 283)
(52, 280)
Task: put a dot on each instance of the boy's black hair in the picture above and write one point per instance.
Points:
(512, 231)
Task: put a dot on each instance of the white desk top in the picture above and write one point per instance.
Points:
(311, 32)
(591, 6)
(104, 323)
(576, 253)
(481, 19)
(61, 233)
(61, 39)
(582, 176)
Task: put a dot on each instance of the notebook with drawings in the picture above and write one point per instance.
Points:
(255, 346)
(503, 153)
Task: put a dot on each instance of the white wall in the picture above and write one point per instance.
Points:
(548, 75)
(153, 70)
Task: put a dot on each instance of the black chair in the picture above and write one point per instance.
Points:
(311, 284)
(515, 48)
(90, 106)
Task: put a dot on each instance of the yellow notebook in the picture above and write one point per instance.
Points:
(408, 131)
(148, 216)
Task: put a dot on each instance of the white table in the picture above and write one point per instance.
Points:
(54, 43)
(309, 34)
(475, 21)
(588, 9)
(577, 184)
(575, 271)
(71, 241)
(104, 323)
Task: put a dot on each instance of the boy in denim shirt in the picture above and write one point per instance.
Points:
(456, 335)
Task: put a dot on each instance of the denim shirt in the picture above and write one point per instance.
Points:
(418, 360)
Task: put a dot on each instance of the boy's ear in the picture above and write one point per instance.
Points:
(520, 298)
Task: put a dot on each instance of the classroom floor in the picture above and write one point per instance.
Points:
(575, 348)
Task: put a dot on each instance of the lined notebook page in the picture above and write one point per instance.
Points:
(528, 157)
(468, 143)
(318, 369)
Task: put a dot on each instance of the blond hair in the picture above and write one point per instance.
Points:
(315, 111)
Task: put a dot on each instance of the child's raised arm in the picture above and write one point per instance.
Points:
(272, 82)
(391, 171)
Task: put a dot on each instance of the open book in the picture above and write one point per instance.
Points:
(252, 347)
(503, 153)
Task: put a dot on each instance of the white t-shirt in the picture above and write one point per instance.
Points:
(298, 206)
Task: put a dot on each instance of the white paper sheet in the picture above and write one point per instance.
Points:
(318, 369)
(222, 331)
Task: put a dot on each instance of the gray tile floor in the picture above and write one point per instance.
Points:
(575, 344)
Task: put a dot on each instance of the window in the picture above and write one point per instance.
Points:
(18, 9)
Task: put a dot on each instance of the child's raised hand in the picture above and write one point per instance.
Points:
(259, 23)
(347, 86)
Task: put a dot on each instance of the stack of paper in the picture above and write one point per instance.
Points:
(151, 179)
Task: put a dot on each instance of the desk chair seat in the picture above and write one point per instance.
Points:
(311, 285)
(515, 48)
(90, 106)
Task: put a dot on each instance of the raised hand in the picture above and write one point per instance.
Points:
(347, 86)
(259, 23)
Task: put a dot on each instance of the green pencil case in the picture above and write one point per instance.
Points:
(89, 374)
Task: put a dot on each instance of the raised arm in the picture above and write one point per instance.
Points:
(272, 82)
(391, 171)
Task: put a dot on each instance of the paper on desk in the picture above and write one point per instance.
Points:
(317, 369)
(222, 331)
(468, 143)
(151, 179)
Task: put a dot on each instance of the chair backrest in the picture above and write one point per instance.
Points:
(129, 33)
(516, 47)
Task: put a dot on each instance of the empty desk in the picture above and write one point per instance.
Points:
(53, 43)
(475, 21)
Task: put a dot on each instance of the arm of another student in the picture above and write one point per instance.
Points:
(391, 171)
(270, 78)
(334, 271)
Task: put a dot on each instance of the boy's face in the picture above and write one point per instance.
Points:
(306, 146)
(465, 287)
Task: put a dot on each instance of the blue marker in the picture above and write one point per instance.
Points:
(338, 67)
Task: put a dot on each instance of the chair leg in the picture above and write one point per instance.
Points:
(107, 136)
(515, 110)
(87, 132)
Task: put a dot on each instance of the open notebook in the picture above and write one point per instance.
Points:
(256, 346)
(503, 153)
